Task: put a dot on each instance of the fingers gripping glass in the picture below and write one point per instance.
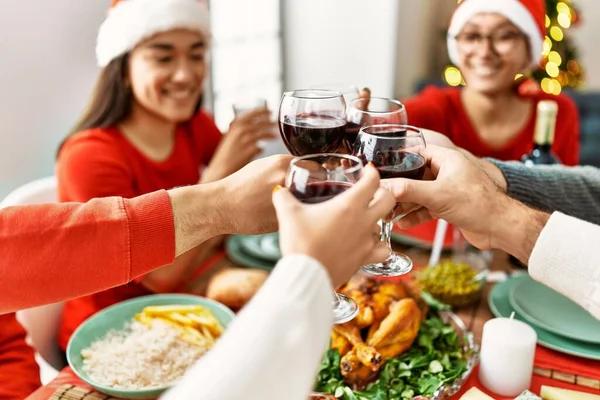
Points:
(318, 178)
(395, 151)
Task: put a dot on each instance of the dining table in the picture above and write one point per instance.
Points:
(551, 368)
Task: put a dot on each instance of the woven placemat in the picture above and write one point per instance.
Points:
(72, 392)
(569, 378)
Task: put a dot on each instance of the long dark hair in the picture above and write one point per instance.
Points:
(112, 99)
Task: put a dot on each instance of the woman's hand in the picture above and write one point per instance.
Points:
(240, 144)
(341, 233)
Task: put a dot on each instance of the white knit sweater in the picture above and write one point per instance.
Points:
(272, 349)
(566, 258)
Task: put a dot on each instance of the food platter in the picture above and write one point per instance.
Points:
(408, 350)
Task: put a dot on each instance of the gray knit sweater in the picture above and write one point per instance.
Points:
(571, 190)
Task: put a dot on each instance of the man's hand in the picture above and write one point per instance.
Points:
(464, 195)
(316, 229)
(239, 203)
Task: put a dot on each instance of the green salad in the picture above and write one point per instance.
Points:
(435, 359)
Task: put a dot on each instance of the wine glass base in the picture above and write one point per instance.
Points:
(395, 265)
(345, 311)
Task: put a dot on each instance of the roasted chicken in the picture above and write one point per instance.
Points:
(386, 326)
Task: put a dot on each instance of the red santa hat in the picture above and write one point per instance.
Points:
(528, 15)
(131, 21)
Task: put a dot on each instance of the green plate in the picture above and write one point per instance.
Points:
(500, 307)
(116, 317)
(264, 246)
(236, 253)
(552, 311)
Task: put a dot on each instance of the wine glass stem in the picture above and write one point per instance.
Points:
(386, 235)
(336, 300)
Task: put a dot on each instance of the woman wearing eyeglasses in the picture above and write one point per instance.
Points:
(491, 41)
(493, 115)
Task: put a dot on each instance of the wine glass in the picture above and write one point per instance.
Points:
(394, 149)
(317, 178)
(373, 111)
(350, 92)
(312, 121)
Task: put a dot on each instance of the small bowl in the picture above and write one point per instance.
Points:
(116, 317)
(460, 292)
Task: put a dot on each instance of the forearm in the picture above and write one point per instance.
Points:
(199, 214)
(517, 229)
(571, 190)
(274, 346)
(54, 252)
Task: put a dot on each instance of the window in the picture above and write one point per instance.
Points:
(246, 55)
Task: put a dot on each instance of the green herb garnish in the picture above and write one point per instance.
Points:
(435, 359)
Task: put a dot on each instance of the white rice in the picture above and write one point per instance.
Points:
(140, 357)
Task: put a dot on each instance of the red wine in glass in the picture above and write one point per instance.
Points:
(373, 111)
(313, 134)
(312, 121)
(318, 192)
(400, 164)
(317, 178)
(352, 130)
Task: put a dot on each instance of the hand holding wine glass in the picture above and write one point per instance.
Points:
(320, 178)
(395, 151)
(315, 229)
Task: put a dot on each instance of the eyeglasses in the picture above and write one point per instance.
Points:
(501, 42)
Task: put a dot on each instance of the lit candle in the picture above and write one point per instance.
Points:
(506, 358)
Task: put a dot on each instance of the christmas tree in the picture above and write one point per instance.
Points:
(559, 67)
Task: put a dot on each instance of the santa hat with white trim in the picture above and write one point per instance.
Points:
(528, 15)
(131, 21)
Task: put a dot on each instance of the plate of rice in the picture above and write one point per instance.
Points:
(139, 348)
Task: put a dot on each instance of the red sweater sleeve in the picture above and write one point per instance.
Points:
(19, 372)
(91, 165)
(206, 136)
(54, 252)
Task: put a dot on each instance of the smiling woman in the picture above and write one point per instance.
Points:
(492, 116)
(144, 129)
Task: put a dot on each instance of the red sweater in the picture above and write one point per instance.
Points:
(54, 252)
(19, 372)
(101, 163)
(442, 110)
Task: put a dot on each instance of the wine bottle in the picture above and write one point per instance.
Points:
(543, 138)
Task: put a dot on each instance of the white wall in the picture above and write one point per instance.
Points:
(341, 41)
(47, 70)
(586, 39)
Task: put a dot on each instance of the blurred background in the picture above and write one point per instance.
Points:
(261, 48)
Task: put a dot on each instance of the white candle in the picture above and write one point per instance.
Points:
(506, 359)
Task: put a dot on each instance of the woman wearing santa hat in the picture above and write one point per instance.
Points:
(491, 41)
(144, 130)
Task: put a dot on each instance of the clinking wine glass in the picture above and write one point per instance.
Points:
(372, 111)
(312, 121)
(350, 92)
(394, 149)
(317, 178)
